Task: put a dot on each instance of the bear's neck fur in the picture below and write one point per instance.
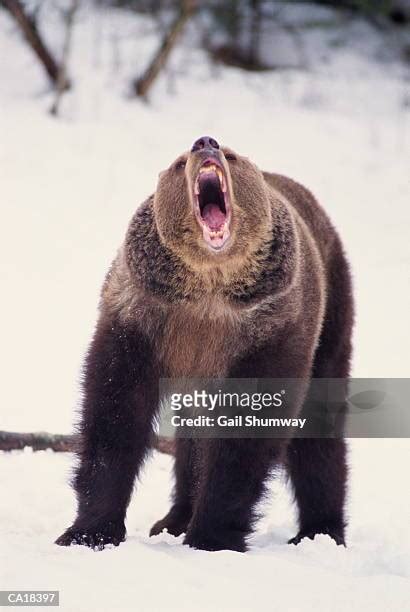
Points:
(270, 268)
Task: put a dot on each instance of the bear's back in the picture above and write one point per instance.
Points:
(308, 208)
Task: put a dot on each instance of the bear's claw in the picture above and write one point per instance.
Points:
(96, 538)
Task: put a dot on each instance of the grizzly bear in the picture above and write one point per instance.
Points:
(226, 271)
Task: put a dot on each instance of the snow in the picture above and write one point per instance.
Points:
(160, 574)
(69, 188)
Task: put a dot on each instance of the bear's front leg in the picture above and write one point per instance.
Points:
(231, 485)
(120, 399)
(233, 471)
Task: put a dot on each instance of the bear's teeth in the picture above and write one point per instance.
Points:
(221, 178)
(211, 168)
(216, 233)
(208, 168)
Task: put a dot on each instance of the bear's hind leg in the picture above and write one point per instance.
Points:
(318, 471)
(317, 466)
(177, 519)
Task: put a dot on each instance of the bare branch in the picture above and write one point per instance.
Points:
(62, 78)
(143, 84)
(32, 36)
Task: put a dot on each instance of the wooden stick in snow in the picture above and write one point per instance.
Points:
(143, 84)
(60, 443)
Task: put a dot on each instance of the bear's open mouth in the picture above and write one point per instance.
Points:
(212, 203)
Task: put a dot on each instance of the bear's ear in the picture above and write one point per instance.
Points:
(230, 155)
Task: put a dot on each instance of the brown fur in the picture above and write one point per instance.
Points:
(208, 318)
(276, 302)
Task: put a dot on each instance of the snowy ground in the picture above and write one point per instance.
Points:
(69, 187)
(160, 574)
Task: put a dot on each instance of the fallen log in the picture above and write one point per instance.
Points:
(61, 443)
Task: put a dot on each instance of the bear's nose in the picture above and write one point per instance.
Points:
(205, 142)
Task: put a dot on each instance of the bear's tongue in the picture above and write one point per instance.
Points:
(213, 216)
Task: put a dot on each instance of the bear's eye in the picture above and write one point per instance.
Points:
(230, 157)
(180, 165)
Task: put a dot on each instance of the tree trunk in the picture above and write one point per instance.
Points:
(60, 443)
(32, 36)
(143, 84)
